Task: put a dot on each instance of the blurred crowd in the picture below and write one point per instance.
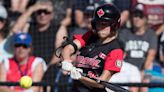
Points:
(31, 30)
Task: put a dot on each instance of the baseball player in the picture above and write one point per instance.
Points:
(100, 52)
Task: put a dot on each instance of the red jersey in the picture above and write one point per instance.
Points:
(16, 71)
(95, 57)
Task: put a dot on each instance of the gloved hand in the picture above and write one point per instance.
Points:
(76, 73)
(67, 65)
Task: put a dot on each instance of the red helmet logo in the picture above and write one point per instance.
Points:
(100, 12)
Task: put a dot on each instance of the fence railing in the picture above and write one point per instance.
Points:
(52, 85)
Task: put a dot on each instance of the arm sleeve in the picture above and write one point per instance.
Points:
(83, 38)
(114, 60)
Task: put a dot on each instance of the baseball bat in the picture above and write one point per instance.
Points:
(111, 86)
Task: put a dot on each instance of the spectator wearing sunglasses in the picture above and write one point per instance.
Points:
(140, 42)
(43, 29)
(21, 64)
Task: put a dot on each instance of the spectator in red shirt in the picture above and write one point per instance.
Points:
(12, 69)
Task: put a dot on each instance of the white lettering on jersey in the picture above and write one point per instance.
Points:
(137, 48)
(137, 54)
(137, 45)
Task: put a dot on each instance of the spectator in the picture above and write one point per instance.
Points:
(44, 33)
(12, 69)
(140, 43)
(5, 38)
(131, 77)
(153, 9)
(42, 28)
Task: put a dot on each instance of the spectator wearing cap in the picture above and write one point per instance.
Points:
(139, 39)
(140, 42)
(153, 9)
(22, 64)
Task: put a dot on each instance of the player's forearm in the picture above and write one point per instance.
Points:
(67, 52)
(90, 83)
(105, 76)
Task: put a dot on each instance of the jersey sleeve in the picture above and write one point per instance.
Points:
(114, 60)
(83, 38)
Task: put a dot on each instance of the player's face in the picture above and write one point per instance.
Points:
(103, 29)
(22, 51)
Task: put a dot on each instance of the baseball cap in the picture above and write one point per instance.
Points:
(3, 12)
(23, 38)
(139, 11)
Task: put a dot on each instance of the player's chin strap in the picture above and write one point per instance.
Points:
(67, 41)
